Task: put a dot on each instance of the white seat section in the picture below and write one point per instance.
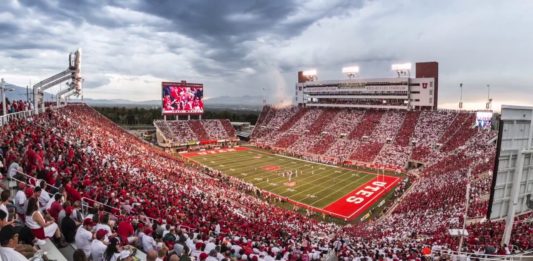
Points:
(52, 252)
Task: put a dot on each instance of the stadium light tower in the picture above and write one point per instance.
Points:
(461, 98)
(351, 71)
(402, 69)
(489, 100)
(310, 74)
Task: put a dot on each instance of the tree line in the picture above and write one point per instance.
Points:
(146, 116)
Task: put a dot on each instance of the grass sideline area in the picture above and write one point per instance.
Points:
(324, 187)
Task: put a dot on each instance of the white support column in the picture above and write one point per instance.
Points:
(513, 201)
(465, 216)
(530, 136)
(36, 99)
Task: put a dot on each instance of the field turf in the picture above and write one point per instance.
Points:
(315, 185)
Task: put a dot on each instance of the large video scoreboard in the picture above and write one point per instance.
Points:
(182, 98)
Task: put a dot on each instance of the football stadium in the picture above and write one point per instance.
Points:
(368, 164)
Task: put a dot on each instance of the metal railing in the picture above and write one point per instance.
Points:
(460, 256)
(5, 119)
(32, 177)
(85, 205)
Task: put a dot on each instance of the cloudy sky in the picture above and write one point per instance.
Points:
(250, 47)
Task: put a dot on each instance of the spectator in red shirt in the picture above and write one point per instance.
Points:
(56, 207)
(126, 232)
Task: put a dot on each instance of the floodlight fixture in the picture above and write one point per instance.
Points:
(351, 71)
(310, 74)
(402, 69)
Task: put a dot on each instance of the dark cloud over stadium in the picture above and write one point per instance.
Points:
(243, 47)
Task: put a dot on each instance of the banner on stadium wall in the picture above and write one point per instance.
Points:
(192, 142)
(220, 141)
(203, 142)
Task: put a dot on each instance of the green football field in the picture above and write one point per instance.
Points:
(317, 185)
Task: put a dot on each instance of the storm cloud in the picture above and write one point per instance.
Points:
(253, 47)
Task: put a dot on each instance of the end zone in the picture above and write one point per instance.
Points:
(358, 201)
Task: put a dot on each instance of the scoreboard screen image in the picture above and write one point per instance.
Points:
(182, 98)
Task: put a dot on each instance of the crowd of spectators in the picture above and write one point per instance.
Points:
(381, 138)
(231, 133)
(286, 140)
(15, 106)
(430, 127)
(198, 129)
(366, 126)
(302, 144)
(366, 151)
(406, 130)
(342, 149)
(322, 145)
(288, 123)
(304, 123)
(145, 198)
(185, 132)
(326, 116)
(214, 129)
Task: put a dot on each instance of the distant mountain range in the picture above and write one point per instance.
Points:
(21, 93)
(244, 102)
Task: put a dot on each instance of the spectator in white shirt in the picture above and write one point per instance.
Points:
(13, 169)
(148, 242)
(84, 236)
(20, 200)
(44, 197)
(98, 247)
